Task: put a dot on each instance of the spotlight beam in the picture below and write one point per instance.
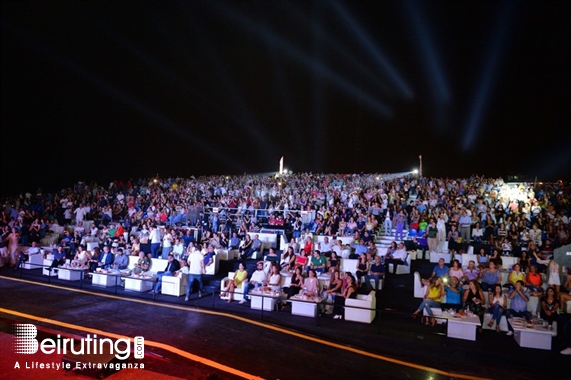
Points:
(298, 56)
(373, 50)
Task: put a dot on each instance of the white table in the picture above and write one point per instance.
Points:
(105, 279)
(304, 307)
(461, 327)
(70, 274)
(139, 284)
(267, 301)
(531, 337)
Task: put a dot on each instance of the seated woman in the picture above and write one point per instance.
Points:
(335, 288)
(490, 277)
(240, 276)
(482, 259)
(287, 261)
(274, 278)
(246, 248)
(506, 247)
(515, 275)
(474, 300)
(296, 283)
(335, 284)
(350, 291)
(554, 273)
(391, 249)
(311, 283)
(432, 298)
(81, 256)
(523, 261)
(533, 281)
(334, 262)
(456, 269)
(362, 268)
(93, 262)
(496, 257)
(498, 305)
(549, 306)
(453, 292)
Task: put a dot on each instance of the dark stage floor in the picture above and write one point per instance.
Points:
(207, 338)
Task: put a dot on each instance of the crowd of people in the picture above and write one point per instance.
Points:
(224, 209)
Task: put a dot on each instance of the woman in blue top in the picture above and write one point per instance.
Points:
(453, 294)
(490, 277)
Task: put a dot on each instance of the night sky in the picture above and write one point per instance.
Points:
(117, 89)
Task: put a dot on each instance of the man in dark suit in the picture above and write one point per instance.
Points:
(106, 258)
(172, 266)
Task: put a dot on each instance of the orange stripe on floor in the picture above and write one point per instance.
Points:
(210, 362)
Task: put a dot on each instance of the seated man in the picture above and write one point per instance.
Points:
(106, 258)
(234, 241)
(396, 258)
(518, 308)
(439, 270)
(121, 261)
(258, 278)
(172, 266)
(377, 272)
(256, 245)
(325, 247)
(59, 258)
(25, 256)
(318, 262)
(143, 264)
(209, 257)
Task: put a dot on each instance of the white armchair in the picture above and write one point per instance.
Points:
(364, 301)
(212, 269)
(238, 292)
(419, 288)
(175, 285)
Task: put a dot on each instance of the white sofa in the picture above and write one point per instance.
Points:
(365, 302)
(238, 292)
(402, 268)
(349, 265)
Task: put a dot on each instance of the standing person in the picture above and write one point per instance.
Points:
(465, 223)
(432, 236)
(441, 226)
(167, 243)
(155, 239)
(400, 220)
(195, 271)
(12, 243)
